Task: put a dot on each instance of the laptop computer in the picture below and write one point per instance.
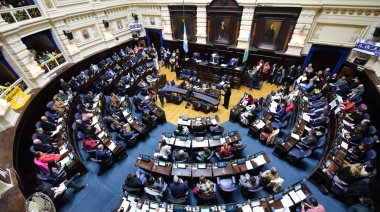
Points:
(205, 209)
(201, 165)
(240, 161)
(216, 137)
(212, 117)
(145, 158)
(222, 164)
(161, 163)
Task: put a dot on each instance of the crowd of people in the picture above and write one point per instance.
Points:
(9, 4)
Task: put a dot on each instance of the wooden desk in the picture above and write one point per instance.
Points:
(185, 172)
(182, 144)
(228, 170)
(252, 159)
(194, 120)
(199, 144)
(184, 123)
(234, 112)
(196, 172)
(157, 111)
(144, 165)
(240, 168)
(232, 139)
(214, 143)
(209, 121)
(162, 170)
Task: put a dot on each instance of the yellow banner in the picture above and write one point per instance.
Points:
(17, 98)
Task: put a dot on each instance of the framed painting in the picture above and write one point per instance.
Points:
(222, 29)
(119, 24)
(271, 31)
(85, 34)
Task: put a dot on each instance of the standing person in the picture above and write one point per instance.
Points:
(252, 75)
(177, 71)
(188, 93)
(161, 95)
(172, 63)
(291, 73)
(227, 96)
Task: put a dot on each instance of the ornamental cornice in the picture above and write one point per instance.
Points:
(79, 17)
(349, 12)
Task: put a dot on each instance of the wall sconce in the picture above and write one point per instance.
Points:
(68, 34)
(135, 16)
(106, 23)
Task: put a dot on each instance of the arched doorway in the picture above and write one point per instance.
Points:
(155, 36)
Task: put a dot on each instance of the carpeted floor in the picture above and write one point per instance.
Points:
(104, 191)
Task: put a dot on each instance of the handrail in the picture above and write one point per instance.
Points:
(20, 14)
(20, 82)
(53, 62)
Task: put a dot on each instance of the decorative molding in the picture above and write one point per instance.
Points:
(79, 17)
(48, 4)
(343, 11)
(115, 10)
(325, 33)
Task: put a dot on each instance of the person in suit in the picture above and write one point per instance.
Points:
(161, 95)
(178, 188)
(74, 84)
(199, 127)
(48, 124)
(65, 86)
(101, 153)
(136, 180)
(181, 155)
(42, 147)
(269, 35)
(233, 62)
(188, 94)
(217, 129)
(310, 139)
(82, 78)
(248, 181)
(319, 121)
(46, 138)
(227, 95)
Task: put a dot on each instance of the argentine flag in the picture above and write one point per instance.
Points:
(185, 46)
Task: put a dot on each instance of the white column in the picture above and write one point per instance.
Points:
(301, 30)
(8, 117)
(166, 23)
(201, 24)
(245, 26)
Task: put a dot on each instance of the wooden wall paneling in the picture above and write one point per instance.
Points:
(176, 19)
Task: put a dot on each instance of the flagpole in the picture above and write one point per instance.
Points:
(184, 21)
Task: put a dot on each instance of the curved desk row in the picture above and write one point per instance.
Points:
(199, 96)
(290, 197)
(195, 170)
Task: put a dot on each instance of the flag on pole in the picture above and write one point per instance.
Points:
(246, 52)
(185, 46)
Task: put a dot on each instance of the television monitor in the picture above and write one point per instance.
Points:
(201, 165)
(181, 165)
(277, 196)
(256, 203)
(183, 138)
(231, 207)
(297, 186)
(205, 209)
(367, 47)
(240, 161)
(168, 135)
(145, 158)
(161, 163)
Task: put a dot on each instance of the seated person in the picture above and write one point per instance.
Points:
(164, 149)
(311, 139)
(270, 174)
(48, 124)
(349, 106)
(90, 143)
(247, 99)
(356, 135)
(320, 111)
(196, 56)
(217, 129)
(74, 84)
(142, 85)
(122, 53)
(199, 127)
(46, 138)
(178, 188)
(198, 83)
(204, 154)
(136, 180)
(42, 147)
(366, 170)
(225, 150)
(136, 101)
(127, 133)
(111, 73)
(266, 131)
(181, 155)
(248, 181)
(82, 78)
(320, 121)
(181, 130)
(155, 184)
(214, 59)
(205, 186)
(101, 153)
(62, 95)
(233, 62)
(365, 205)
(46, 157)
(359, 152)
(90, 98)
(355, 116)
(280, 112)
(115, 57)
(349, 174)
(313, 206)
(149, 120)
(317, 104)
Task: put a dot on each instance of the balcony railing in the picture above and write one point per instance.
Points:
(53, 62)
(20, 14)
(4, 91)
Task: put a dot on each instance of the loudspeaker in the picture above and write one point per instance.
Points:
(69, 35)
(360, 61)
(106, 23)
(377, 32)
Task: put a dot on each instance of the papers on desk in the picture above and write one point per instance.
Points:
(171, 140)
(300, 194)
(346, 123)
(272, 109)
(333, 104)
(295, 136)
(260, 160)
(344, 145)
(62, 149)
(260, 125)
(282, 210)
(101, 134)
(213, 121)
(276, 97)
(338, 110)
(182, 122)
(112, 146)
(246, 208)
(95, 119)
(344, 132)
(307, 129)
(294, 197)
(65, 160)
(198, 61)
(223, 65)
(305, 117)
(249, 165)
(223, 140)
(339, 98)
(305, 98)
(59, 120)
(125, 204)
(145, 207)
(287, 201)
(258, 209)
(125, 113)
